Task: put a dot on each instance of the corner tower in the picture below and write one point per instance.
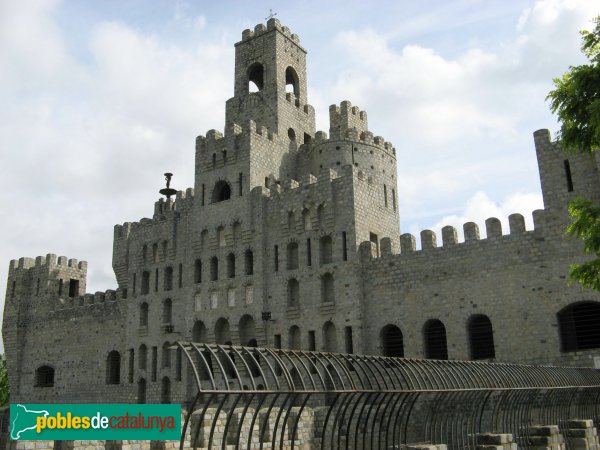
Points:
(270, 86)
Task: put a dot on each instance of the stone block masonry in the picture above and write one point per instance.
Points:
(290, 237)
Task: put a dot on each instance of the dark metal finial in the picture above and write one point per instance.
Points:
(168, 191)
(271, 14)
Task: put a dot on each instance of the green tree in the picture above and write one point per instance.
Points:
(576, 102)
(4, 388)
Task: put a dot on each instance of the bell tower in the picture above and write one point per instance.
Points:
(270, 83)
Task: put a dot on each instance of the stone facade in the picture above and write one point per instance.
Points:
(291, 237)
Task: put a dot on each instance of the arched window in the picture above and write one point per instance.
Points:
(168, 284)
(330, 337)
(167, 311)
(44, 376)
(326, 250)
(142, 390)
(199, 332)
(436, 346)
(392, 341)
(292, 255)
(291, 82)
(144, 314)
(113, 368)
(327, 291)
(579, 326)
(293, 291)
(198, 271)
(256, 77)
(222, 333)
(231, 265)
(221, 191)
(143, 357)
(481, 337)
(249, 262)
(214, 268)
(247, 330)
(294, 338)
(165, 391)
(145, 282)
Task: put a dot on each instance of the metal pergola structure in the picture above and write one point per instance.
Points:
(252, 397)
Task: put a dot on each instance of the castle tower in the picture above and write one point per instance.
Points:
(270, 83)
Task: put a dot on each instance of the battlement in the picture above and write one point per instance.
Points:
(48, 262)
(89, 299)
(309, 110)
(215, 140)
(346, 117)
(429, 239)
(272, 24)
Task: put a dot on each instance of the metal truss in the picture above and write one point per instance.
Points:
(251, 397)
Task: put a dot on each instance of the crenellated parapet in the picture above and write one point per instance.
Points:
(350, 143)
(272, 24)
(46, 275)
(346, 117)
(449, 245)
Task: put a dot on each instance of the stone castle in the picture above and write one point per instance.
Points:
(291, 238)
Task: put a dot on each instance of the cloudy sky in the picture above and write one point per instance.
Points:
(100, 98)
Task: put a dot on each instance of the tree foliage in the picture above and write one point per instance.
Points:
(576, 99)
(586, 226)
(576, 102)
(4, 389)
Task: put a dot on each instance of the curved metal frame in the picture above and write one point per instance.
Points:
(373, 402)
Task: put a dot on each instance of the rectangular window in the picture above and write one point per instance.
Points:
(203, 194)
(344, 247)
(375, 240)
(231, 297)
(154, 362)
(276, 258)
(134, 282)
(240, 181)
(568, 175)
(180, 275)
(73, 287)
(277, 339)
(312, 341)
(249, 294)
(394, 199)
(308, 253)
(385, 195)
(348, 340)
(131, 361)
(156, 280)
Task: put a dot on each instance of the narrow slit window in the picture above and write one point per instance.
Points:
(568, 175)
